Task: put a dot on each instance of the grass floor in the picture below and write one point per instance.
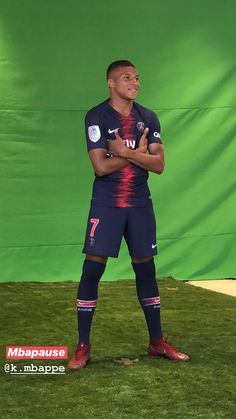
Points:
(197, 321)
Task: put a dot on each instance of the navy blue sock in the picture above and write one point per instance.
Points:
(148, 295)
(87, 297)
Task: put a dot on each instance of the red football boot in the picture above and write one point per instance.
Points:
(160, 347)
(81, 357)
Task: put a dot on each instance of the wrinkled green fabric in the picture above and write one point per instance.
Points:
(53, 57)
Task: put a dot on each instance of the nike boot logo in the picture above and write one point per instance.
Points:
(154, 245)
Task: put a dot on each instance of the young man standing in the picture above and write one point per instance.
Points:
(123, 140)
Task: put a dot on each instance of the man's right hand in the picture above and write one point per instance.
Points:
(116, 147)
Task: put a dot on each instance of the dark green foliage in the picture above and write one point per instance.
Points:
(197, 321)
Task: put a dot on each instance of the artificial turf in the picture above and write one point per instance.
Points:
(197, 321)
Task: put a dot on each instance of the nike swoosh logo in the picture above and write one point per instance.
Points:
(110, 131)
(154, 245)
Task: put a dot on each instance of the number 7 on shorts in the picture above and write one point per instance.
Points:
(95, 222)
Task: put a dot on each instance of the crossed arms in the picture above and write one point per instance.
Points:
(123, 156)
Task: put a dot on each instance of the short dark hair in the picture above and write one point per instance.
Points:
(117, 64)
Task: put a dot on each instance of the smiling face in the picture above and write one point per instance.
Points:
(124, 83)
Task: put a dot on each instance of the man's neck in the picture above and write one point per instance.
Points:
(122, 106)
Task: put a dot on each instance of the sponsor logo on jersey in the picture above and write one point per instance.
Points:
(140, 126)
(156, 134)
(94, 133)
(129, 143)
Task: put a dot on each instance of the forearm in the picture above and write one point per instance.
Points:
(151, 162)
(110, 165)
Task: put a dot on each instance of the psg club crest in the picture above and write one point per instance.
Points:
(140, 126)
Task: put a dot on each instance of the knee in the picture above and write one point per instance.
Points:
(92, 271)
(99, 259)
(145, 270)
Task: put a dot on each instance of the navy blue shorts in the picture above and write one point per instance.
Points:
(107, 226)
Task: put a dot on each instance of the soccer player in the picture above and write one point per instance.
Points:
(124, 144)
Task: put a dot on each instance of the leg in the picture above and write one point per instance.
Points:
(93, 269)
(140, 236)
(148, 294)
(141, 241)
(103, 237)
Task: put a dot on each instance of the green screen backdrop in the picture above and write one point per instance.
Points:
(53, 57)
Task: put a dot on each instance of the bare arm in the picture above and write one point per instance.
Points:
(154, 161)
(103, 165)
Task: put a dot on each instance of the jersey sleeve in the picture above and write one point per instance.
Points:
(154, 133)
(94, 131)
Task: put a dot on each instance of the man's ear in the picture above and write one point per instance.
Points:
(110, 83)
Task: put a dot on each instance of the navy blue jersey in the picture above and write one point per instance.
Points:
(127, 187)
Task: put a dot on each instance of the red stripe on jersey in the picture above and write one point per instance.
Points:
(125, 187)
(126, 183)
